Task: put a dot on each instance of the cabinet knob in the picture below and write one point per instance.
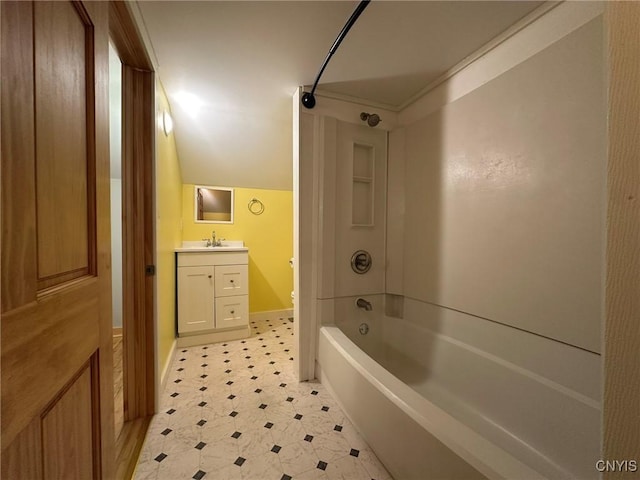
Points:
(231, 281)
(209, 276)
(232, 312)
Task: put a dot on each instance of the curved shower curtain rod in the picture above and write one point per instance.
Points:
(308, 100)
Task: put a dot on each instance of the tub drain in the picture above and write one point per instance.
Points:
(364, 329)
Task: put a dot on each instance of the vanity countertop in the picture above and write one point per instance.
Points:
(201, 246)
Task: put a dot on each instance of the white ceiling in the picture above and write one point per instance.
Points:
(237, 64)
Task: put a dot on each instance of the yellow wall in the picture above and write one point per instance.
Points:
(269, 238)
(168, 230)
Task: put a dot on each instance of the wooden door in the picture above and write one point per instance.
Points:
(57, 390)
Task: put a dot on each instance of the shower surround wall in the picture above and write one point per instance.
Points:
(503, 242)
(328, 226)
(494, 241)
(505, 196)
(504, 224)
(354, 197)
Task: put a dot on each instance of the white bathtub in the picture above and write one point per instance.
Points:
(471, 413)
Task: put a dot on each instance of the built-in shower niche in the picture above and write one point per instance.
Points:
(362, 192)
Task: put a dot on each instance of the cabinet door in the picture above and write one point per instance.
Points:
(232, 311)
(195, 299)
(231, 280)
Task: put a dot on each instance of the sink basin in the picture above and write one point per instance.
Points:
(201, 246)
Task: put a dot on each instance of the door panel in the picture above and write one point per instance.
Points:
(63, 68)
(195, 298)
(18, 164)
(65, 429)
(57, 391)
(43, 346)
(23, 458)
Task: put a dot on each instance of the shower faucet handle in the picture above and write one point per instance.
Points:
(361, 262)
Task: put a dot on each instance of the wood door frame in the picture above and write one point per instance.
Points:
(138, 130)
(621, 419)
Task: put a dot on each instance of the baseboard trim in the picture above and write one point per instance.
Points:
(165, 369)
(213, 337)
(286, 313)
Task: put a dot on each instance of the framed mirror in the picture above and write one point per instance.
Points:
(213, 204)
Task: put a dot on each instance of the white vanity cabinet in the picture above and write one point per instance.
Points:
(212, 295)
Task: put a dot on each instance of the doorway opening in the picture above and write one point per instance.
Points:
(133, 247)
(115, 161)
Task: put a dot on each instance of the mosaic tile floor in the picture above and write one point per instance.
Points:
(235, 411)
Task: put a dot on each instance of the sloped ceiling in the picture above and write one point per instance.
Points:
(230, 68)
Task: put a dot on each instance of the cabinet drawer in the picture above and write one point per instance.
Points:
(232, 311)
(197, 259)
(231, 280)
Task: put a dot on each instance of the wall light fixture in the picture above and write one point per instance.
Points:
(167, 123)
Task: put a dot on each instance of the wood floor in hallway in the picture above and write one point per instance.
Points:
(118, 391)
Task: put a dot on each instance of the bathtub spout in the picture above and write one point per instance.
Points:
(362, 303)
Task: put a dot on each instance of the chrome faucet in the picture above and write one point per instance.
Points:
(364, 304)
(215, 242)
